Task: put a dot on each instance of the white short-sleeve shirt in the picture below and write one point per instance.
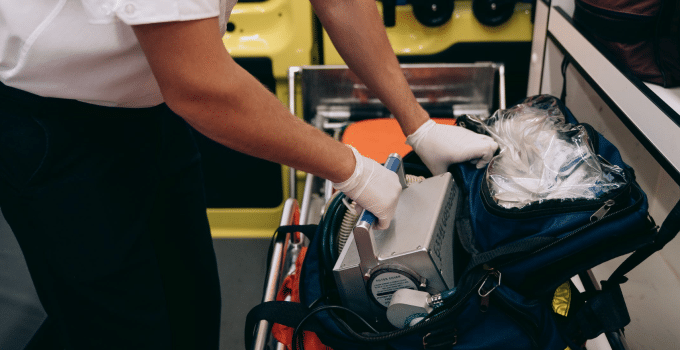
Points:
(86, 50)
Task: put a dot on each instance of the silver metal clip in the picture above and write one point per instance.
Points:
(486, 294)
(434, 301)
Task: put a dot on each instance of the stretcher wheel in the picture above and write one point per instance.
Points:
(433, 13)
(493, 12)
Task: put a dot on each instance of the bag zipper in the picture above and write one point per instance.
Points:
(603, 217)
(600, 213)
(551, 207)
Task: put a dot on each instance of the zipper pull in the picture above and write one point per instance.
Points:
(483, 293)
(484, 303)
(600, 213)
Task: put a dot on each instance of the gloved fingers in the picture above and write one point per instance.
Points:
(479, 151)
(486, 153)
(385, 217)
(442, 145)
(475, 146)
(482, 162)
(374, 188)
(381, 195)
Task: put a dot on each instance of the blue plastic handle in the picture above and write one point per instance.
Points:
(392, 163)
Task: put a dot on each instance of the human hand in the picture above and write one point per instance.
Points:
(439, 146)
(372, 187)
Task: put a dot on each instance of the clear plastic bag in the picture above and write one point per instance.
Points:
(544, 158)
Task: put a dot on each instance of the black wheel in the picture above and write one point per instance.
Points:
(493, 12)
(433, 13)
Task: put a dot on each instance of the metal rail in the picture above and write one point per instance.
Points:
(274, 275)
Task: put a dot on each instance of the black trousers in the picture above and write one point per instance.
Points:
(108, 207)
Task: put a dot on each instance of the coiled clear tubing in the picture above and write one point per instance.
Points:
(544, 158)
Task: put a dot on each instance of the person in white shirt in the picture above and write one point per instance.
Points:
(99, 175)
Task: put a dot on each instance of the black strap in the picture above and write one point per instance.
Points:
(606, 311)
(282, 312)
(307, 230)
(291, 314)
(509, 250)
(565, 65)
(669, 229)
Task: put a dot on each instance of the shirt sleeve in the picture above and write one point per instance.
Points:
(134, 12)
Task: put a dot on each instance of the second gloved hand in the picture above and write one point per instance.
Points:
(374, 188)
(439, 146)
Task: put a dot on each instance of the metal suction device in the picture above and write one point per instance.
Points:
(415, 252)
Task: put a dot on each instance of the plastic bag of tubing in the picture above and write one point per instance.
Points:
(542, 157)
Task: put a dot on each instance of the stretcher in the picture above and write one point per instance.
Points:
(333, 100)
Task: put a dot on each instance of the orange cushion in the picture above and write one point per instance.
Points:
(378, 138)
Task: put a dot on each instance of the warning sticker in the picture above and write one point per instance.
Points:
(385, 284)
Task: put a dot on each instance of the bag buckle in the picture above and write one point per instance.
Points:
(440, 339)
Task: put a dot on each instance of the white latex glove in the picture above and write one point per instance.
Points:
(374, 188)
(439, 146)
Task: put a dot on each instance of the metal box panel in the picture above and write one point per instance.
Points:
(418, 243)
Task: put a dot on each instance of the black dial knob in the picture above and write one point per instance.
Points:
(433, 13)
(493, 12)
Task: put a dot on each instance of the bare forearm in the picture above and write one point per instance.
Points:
(251, 120)
(203, 84)
(356, 29)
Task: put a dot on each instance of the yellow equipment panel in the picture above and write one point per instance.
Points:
(411, 38)
(281, 30)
